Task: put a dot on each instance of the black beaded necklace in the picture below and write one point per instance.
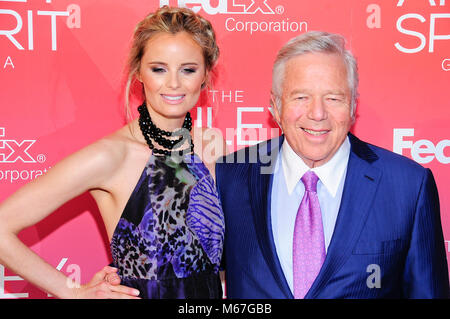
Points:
(152, 132)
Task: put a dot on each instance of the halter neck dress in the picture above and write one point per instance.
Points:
(168, 242)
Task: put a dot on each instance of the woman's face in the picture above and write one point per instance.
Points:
(172, 71)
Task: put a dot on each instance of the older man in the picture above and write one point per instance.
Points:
(329, 216)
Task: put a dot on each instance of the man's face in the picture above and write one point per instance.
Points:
(315, 106)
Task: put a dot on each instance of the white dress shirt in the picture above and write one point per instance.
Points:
(287, 193)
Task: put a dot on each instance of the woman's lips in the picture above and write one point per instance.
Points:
(173, 99)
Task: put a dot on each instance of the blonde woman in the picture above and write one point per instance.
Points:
(156, 196)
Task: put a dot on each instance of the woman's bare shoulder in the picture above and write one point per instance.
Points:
(210, 145)
(105, 157)
(119, 148)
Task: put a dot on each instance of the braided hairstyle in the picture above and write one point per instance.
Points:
(170, 20)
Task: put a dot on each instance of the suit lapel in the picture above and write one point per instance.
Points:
(260, 186)
(359, 190)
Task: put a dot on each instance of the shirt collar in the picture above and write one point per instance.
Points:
(330, 173)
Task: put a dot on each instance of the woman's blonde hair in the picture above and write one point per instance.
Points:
(169, 20)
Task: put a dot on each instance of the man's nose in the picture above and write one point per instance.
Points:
(317, 110)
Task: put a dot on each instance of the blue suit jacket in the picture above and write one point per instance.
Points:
(388, 230)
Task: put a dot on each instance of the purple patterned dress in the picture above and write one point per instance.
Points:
(168, 242)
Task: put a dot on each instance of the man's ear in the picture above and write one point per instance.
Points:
(275, 108)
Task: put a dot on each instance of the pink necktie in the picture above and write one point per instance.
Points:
(309, 242)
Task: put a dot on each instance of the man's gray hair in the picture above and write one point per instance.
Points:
(311, 42)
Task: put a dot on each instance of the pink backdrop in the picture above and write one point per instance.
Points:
(61, 84)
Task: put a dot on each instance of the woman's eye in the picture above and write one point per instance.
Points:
(157, 70)
(189, 70)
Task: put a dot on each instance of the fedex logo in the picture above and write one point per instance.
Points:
(422, 151)
(223, 6)
(11, 150)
